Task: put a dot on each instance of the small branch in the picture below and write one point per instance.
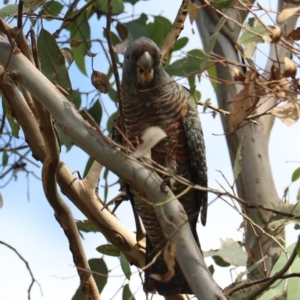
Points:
(63, 213)
(113, 61)
(175, 31)
(276, 276)
(68, 20)
(227, 113)
(233, 290)
(33, 280)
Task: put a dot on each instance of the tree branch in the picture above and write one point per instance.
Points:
(278, 275)
(175, 31)
(171, 214)
(75, 189)
(33, 280)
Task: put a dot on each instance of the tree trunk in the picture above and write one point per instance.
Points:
(255, 184)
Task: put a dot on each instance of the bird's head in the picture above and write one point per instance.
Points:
(142, 58)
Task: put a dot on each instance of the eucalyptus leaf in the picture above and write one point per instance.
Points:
(100, 274)
(86, 226)
(125, 266)
(52, 61)
(109, 249)
(230, 252)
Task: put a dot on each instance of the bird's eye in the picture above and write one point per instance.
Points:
(127, 56)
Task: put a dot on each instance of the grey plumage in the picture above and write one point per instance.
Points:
(150, 97)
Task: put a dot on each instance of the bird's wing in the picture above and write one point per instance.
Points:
(196, 152)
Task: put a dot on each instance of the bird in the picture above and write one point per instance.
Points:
(150, 97)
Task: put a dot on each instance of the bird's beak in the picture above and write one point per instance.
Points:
(145, 69)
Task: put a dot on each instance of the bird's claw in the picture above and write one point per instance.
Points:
(167, 182)
(117, 200)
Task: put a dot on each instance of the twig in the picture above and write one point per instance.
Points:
(227, 113)
(276, 276)
(33, 280)
(175, 31)
(20, 11)
(257, 282)
(68, 20)
(63, 213)
(113, 61)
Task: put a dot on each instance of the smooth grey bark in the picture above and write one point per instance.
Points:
(255, 184)
(169, 211)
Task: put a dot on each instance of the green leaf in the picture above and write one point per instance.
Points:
(98, 266)
(137, 27)
(32, 5)
(110, 122)
(180, 43)
(279, 286)
(230, 252)
(241, 292)
(158, 29)
(277, 220)
(11, 10)
(188, 65)
(261, 217)
(297, 227)
(8, 11)
(195, 96)
(219, 261)
(52, 61)
(293, 289)
(211, 269)
(298, 195)
(109, 250)
(4, 158)
(80, 32)
(255, 32)
(220, 4)
(88, 166)
(250, 269)
(208, 48)
(296, 175)
(125, 266)
(117, 6)
(105, 176)
(52, 8)
(114, 38)
(14, 125)
(127, 295)
(75, 98)
(133, 2)
(96, 111)
(113, 95)
(237, 168)
(86, 226)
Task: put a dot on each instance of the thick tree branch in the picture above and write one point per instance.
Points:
(75, 189)
(170, 213)
(255, 184)
(63, 213)
(175, 31)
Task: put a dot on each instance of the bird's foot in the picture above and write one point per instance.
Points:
(168, 182)
(117, 201)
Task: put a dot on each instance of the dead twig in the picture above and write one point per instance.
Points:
(33, 280)
(175, 31)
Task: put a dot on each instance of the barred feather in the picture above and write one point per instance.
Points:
(164, 103)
